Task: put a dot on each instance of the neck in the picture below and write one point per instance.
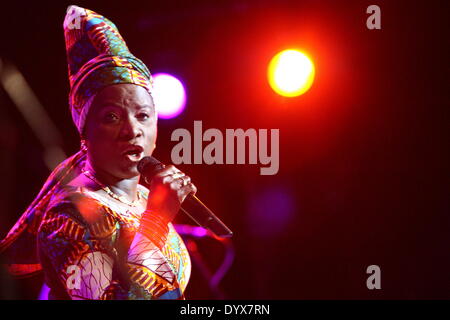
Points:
(121, 187)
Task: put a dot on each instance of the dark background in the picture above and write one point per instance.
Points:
(363, 173)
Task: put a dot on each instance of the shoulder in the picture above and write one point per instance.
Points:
(73, 211)
(77, 201)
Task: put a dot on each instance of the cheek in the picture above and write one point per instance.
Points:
(150, 138)
(100, 139)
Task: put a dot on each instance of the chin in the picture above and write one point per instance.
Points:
(128, 173)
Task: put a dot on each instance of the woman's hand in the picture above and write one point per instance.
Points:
(168, 189)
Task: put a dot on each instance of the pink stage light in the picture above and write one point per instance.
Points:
(169, 95)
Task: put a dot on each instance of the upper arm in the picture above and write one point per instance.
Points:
(81, 254)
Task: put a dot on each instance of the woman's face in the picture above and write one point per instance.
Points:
(120, 129)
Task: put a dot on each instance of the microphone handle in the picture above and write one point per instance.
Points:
(197, 211)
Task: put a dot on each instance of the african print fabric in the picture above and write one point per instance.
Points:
(90, 249)
(88, 245)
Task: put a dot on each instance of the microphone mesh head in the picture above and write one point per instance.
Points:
(147, 163)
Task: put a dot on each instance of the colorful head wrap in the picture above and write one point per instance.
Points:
(97, 57)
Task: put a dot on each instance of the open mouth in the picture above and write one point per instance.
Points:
(134, 153)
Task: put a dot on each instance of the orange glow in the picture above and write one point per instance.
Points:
(88, 208)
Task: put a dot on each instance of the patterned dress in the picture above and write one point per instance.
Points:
(89, 248)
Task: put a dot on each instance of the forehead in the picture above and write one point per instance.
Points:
(123, 95)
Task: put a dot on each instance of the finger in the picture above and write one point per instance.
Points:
(177, 183)
(193, 188)
(188, 189)
(167, 170)
(178, 175)
(172, 177)
(185, 180)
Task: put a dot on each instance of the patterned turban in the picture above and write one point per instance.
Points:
(97, 57)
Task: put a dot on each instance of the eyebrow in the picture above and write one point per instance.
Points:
(144, 106)
(114, 104)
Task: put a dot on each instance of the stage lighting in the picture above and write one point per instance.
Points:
(291, 73)
(169, 95)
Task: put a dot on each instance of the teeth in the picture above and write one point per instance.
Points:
(133, 153)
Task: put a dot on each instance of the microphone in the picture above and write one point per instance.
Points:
(191, 206)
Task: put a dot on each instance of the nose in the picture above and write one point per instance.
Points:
(130, 129)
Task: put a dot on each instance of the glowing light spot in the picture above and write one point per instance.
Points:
(291, 73)
(271, 210)
(169, 95)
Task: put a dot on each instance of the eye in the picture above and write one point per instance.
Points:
(143, 116)
(110, 117)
